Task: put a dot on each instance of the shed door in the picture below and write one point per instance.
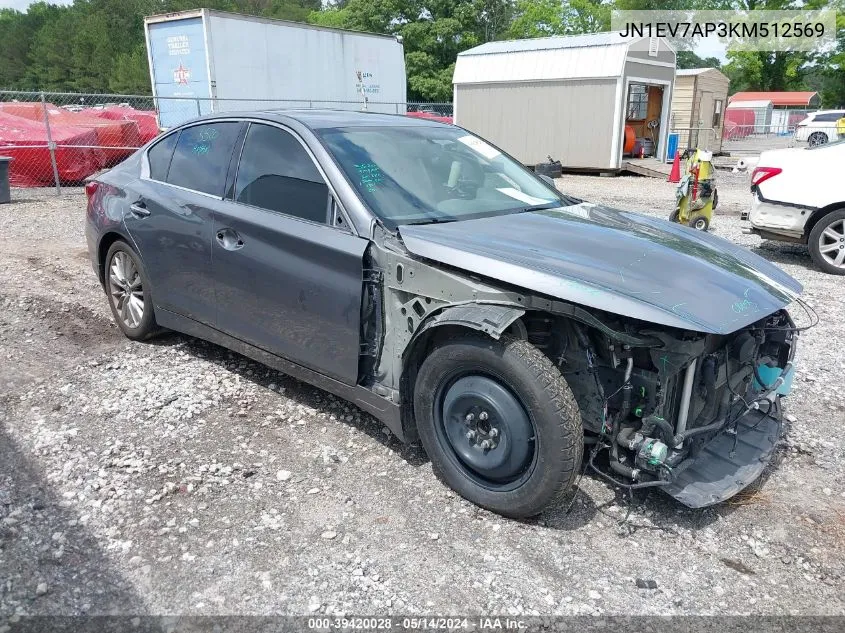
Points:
(703, 136)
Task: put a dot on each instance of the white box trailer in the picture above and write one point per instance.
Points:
(205, 61)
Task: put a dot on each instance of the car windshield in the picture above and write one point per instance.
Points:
(425, 174)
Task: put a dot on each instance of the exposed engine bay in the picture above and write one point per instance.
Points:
(694, 413)
(656, 403)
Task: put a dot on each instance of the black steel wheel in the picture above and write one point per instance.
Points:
(499, 423)
(487, 428)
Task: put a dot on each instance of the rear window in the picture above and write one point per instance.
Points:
(202, 156)
(159, 156)
(830, 116)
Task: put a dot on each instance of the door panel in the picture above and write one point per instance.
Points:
(174, 240)
(703, 137)
(290, 287)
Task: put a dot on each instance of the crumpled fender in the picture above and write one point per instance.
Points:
(490, 318)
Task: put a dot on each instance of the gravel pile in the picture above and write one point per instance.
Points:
(176, 477)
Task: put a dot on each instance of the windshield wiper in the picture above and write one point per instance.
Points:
(540, 207)
(431, 221)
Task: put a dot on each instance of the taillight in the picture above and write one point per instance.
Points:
(91, 188)
(761, 174)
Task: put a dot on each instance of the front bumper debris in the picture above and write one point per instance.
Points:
(720, 471)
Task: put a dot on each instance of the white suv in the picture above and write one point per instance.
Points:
(799, 196)
(819, 127)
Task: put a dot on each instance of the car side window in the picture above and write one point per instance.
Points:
(159, 156)
(277, 174)
(202, 155)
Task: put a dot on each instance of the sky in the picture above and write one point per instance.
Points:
(21, 5)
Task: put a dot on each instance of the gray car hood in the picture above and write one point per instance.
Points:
(621, 262)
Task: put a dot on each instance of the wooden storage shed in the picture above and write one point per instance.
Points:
(566, 97)
(698, 107)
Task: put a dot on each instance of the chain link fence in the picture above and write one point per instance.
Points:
(60, 139)
(753, 139)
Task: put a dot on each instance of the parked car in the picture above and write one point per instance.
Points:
(819, 127)
(423, 274)
(798, 195)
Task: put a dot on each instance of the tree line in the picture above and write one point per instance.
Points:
(98, 45)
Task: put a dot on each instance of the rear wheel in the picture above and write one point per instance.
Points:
(817, 138)
(827, 243)
(499, 423)
(128, 290)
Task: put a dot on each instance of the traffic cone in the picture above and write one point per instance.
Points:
(675, 174)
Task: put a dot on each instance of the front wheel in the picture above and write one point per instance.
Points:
(128, 290)
(499, 423)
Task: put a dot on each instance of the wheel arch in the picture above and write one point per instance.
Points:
(491, 320)
(817, 215)
(103, 247)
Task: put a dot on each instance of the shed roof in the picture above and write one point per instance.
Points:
(686, 72)
(751, 105)
(605, 38)
(593, 55)
(777, 98)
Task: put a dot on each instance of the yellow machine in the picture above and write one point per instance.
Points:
(696, 193)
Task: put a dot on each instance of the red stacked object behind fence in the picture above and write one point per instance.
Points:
(25, 141)
(145, 119)
(117, 138)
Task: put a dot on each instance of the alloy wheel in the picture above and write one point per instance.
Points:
(126, 290)
(832, 243)
(817, 138)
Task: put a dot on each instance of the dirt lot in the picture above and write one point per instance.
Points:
(175, 477)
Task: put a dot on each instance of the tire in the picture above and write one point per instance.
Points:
(675, 215)
(539, 439)
(715, 199)
(124, 276)
(699, 222)
(829, 233)
(817, 138)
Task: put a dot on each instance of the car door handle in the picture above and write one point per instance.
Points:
(139, 210)
(229, 239)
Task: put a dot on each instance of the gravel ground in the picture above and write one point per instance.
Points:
(175, 477)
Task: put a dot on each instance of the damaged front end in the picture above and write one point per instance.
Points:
(697, 415)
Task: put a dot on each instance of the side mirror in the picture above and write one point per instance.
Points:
(548, 180)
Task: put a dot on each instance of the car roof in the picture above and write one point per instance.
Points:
(324, 118)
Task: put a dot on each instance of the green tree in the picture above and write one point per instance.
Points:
(542, 18)
(433, 33)
(688, 59)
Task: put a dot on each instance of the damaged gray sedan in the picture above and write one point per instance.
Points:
(419, 272)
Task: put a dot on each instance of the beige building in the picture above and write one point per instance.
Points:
(698, 108)
(566, 97)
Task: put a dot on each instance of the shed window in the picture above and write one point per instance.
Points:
(717, 113)
(637, 102)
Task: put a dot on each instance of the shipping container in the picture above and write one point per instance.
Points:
(205, 61)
